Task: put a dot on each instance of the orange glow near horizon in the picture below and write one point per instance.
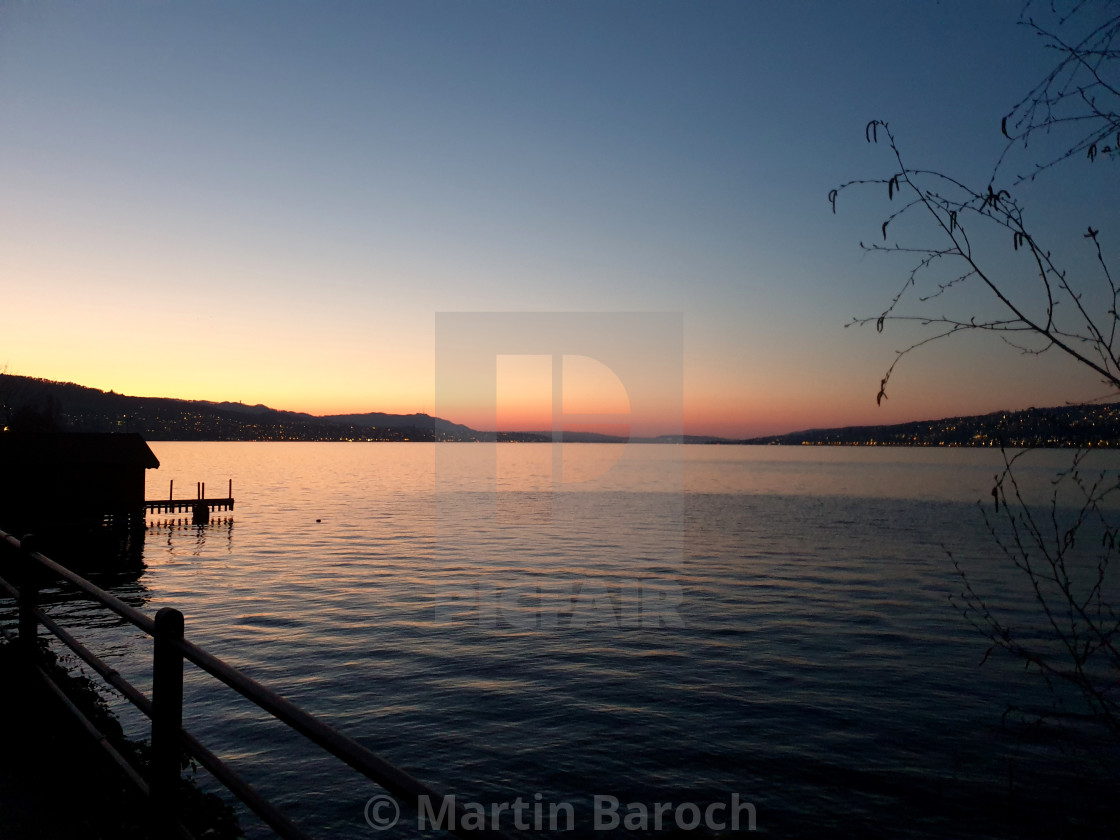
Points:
(524, 396)
(297, 353)
(524, 393)
(590, 387)
(753, 402)
(592, 396)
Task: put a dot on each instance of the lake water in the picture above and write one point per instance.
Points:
(702, 626)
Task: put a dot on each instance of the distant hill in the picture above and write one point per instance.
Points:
(377, 419)
(30, 403)
(1065, 426)
(40, 404)
(595, 437)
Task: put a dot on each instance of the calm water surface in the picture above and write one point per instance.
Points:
(651, 623)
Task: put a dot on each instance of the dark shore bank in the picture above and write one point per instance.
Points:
(56, 782)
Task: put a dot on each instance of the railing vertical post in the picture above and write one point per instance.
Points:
(28, 599)
(167, 711)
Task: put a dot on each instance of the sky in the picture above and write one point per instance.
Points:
(270, 202)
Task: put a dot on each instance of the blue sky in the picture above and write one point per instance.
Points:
(287, 192)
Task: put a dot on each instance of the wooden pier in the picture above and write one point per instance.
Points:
(173, 505)
(199, 507)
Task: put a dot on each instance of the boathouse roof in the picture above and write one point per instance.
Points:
(75, 449)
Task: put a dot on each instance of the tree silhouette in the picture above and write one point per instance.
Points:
(965, 238)
(1075, 109)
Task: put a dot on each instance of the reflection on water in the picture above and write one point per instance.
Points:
(114, 561)
(180, 536)
(818, 669)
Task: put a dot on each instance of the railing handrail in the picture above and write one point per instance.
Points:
(365, 761)
(375, 768)
(131, 614)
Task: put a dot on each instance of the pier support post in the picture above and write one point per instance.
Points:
(28, 599)
(201, 514)
(167, 712)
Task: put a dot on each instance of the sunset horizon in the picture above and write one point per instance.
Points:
(271, 204)
(591, 418)
(538, 421)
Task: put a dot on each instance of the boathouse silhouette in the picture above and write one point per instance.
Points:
(50, 480)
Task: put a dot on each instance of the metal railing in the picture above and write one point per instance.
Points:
(165, 707)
